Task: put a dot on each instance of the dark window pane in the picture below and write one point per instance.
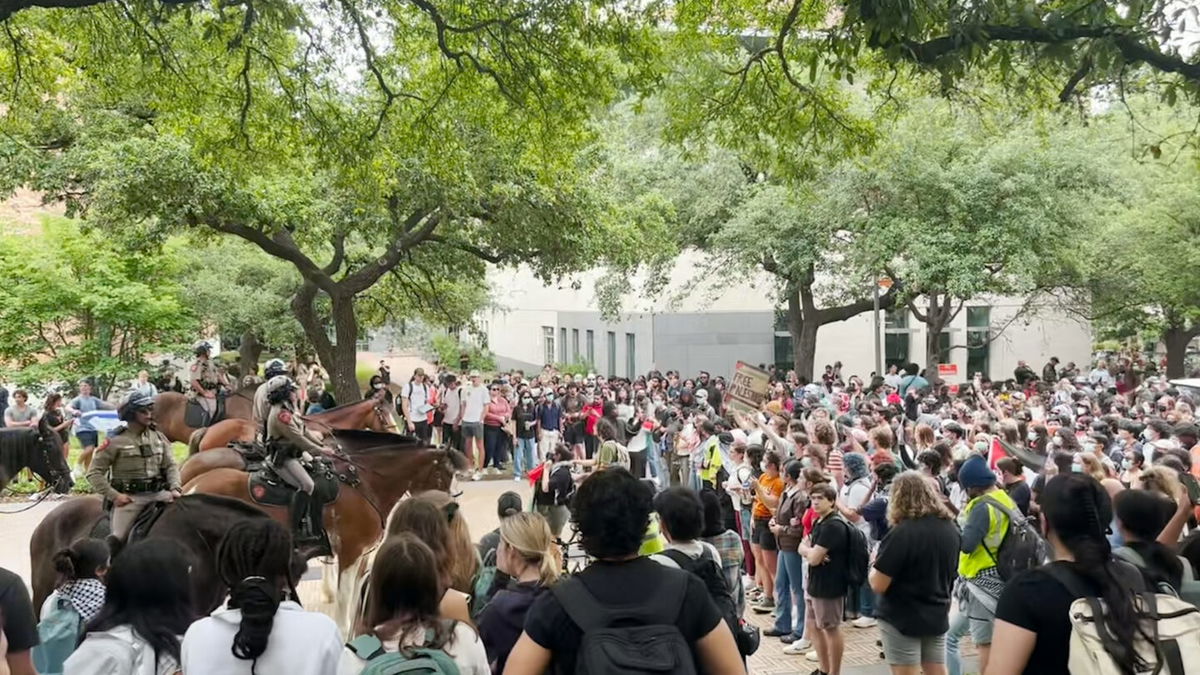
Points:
(783, 352)
(978, 317)
(896, 318)
(895, 349)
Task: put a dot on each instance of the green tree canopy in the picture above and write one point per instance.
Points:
(78, 304)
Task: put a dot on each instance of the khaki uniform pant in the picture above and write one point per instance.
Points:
(123, 516)
(209, 405)
(295, 475)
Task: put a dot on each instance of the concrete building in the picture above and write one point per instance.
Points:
(711, 328)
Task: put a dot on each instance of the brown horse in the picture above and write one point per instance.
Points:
(371, 413)
(169, 408)
(197, 522)
(388, 466)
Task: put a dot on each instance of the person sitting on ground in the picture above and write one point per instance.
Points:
(261, 629)
(81, 568)
(147, 609)
(529, 556)
(402, 612)
(611, 512)
(1033, 619)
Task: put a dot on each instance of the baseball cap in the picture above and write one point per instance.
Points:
(475, 373)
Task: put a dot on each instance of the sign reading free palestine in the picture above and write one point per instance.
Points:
(748, 389)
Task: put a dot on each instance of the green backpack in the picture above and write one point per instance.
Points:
(425, 660)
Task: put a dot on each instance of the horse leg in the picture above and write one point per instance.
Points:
(356, 527)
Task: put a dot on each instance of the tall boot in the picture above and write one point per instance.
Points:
(300, 506)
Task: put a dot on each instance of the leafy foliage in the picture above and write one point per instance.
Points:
(76, 304)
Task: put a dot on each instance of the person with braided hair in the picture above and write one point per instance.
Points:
(1033, 626)
(261, 629)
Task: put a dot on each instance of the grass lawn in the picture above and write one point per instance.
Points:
(26, 483)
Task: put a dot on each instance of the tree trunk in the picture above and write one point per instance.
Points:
(344, 359)
(1176, 339)
(804, 337)
(248, 353)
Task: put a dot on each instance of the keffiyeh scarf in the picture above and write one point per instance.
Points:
(85, 595)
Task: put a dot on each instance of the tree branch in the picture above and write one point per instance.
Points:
(280, 245)
(441, 28)
(496, 258)
(10, 7)
(853, 309)
(368, 274)
(339, 254)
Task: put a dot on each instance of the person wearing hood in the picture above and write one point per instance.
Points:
(260, 629)
(979, 584)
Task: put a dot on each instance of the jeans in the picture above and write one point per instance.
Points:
(960, 623)
(789, 590)
(866, 600)
(654, 461)
(523, 457)
(493, 446)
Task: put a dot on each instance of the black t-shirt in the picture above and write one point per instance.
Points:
(618, 584)
(830, 579)
(921, 557)
(1038, 602)
(1021, 494)
(16, 613)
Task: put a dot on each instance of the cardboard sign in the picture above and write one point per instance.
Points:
(947, 369)
(748, 389)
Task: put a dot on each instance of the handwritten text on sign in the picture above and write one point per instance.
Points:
(748, 389)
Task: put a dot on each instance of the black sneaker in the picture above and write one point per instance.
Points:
(771, 632)
(788, 639)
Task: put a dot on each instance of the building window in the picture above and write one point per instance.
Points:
(575, 345)
(896, 334)
(612, 354)
(979, 338)
(630, 358)
(783, 352)
(591, 348)
(548, 344)
(562, 345)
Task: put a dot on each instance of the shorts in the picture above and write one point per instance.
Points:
(905, 650)
(87, 438)
(762, 535)
(981, 621)
(823, 613)
(573, 434)
(472, 429)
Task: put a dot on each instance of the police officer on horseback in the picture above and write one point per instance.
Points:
(287, 443)
(134, 467)
(273, 369)
(205, 379)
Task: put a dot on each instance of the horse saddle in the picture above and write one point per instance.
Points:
(194, 415)
(253, 453)
(102, 528)
(269, 489)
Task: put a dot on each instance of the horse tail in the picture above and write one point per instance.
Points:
(194, 440)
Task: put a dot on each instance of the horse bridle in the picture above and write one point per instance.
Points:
(383, 415)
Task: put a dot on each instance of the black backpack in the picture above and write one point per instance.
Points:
(1022, 548)
(858, 555)
(638, 640)
(709, 571)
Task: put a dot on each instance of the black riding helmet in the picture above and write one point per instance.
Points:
(135, 401)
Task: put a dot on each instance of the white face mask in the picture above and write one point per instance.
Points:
(1058, 440)
(1032, 436)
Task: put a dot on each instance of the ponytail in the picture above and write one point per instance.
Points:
(529, 536)
(81, 560)
(259, 600)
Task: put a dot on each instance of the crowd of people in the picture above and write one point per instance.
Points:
(928, 511)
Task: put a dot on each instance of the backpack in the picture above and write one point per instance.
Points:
(1174, 624)
(708, 570)
(642, 639)
(485, 582)
(622, 459)
(59, 634)
(858, 555)
(410, 661)
(1022, 548)
(1189, 590)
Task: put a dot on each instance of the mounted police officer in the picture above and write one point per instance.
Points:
(288, 442)
(204, 379)
(273, 369)
(134, 467)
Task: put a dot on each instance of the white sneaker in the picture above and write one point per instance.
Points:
(476, 476)
(864, 622)
(516, 479)
(812, 656)
(797, 648)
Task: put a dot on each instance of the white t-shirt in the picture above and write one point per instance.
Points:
(301, 643)
(466, 649)
(474, 400)
(417, 396)
(854, 495)
(452, 399)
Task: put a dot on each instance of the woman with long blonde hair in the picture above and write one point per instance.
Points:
(914, 573)
(527, 553)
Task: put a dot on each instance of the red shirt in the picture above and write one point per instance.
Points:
(809, 519)
(592, 413)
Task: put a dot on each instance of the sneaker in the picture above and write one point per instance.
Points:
(812, 656)
(476, 476)
(516, 479)
(864, 622)
(771, 632)
(787, 638)
(798, 647)
(765, 606)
